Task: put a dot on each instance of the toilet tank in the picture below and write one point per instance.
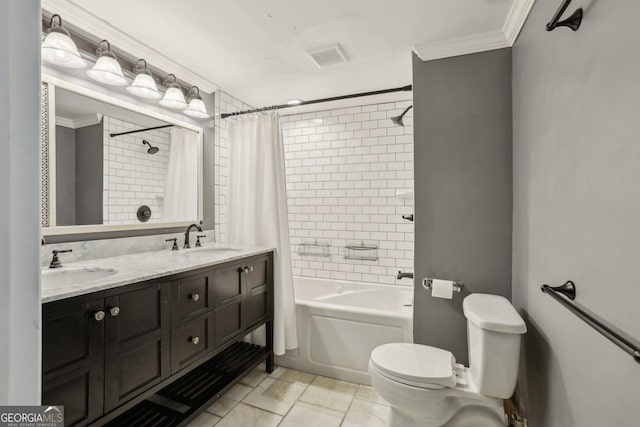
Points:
(494, 330)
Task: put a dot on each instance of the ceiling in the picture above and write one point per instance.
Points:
(255, 50)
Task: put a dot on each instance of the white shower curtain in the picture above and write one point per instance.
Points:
(181, 190)
(258, 209)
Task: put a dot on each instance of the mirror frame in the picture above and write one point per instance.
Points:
(117, 229)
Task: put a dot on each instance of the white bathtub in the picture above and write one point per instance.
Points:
(339, 323)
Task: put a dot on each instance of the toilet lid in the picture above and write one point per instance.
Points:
(415, 364)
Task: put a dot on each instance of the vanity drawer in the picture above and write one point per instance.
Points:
(191, 297)
(191, 341)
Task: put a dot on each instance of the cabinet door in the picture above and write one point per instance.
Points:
(228, 284)
(228, 322)
(259, 294)
(72, 358)
(137, 347)
(259, 275)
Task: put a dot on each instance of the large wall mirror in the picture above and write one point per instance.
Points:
(109, 166)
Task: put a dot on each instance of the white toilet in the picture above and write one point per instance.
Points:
(425, 387)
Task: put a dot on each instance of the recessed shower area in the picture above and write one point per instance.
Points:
(349, 178)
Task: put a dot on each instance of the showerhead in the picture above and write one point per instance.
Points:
(152, 149)
(397, 120)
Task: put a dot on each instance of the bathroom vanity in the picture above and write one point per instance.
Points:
(159, 338)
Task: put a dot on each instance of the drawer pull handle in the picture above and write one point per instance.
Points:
(194, 340)
(98, 315)
(114, 311)
(248, 269)
(194, 297)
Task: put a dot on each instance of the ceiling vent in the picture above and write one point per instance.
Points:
(328, 55)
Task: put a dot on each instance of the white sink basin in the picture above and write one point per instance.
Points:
(74, 276)
(207, 251)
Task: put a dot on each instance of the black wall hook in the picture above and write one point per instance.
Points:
(572, 22)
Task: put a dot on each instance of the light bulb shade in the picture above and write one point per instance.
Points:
(59, 49)
(144, 87)
(197, 109)
(174, 98)
(107, 71)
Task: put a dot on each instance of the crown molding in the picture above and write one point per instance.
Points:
(482, 42)
(516, 19)
(80, 122)
(93, 25)
(461, 46)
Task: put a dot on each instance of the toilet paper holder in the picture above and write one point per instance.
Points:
(457, 286)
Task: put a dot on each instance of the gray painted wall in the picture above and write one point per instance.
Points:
(89, 174)
(65, 182)
(20, 361)
(463, 187)
(576, 99)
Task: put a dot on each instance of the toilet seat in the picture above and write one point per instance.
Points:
(415, 364)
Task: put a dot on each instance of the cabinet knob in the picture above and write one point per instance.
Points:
(248, 269)
(98, 315)
(194, 297)
(194, 340)
(114, 311)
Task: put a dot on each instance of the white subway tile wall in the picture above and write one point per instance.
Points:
(132, 177)
(225, 103)
(349, 178)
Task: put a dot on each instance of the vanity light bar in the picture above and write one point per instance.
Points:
(88, 45)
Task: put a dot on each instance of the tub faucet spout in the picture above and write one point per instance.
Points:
(402, 275)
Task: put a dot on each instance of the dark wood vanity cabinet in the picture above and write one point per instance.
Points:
(106, 351)
(97, 353)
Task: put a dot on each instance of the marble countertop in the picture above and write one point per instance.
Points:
(138, 267)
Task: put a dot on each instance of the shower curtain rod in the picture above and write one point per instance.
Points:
(139, 130)
(316, 101)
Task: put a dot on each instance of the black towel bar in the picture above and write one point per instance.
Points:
(569, 291)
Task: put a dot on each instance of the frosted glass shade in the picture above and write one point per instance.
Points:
(59, 49)
(107, 71)
(174, 98)
(144, 87)
(197, 109)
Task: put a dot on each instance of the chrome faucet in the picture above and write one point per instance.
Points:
(186, 234)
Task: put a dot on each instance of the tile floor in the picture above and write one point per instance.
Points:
(289, 398)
